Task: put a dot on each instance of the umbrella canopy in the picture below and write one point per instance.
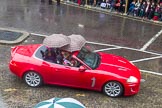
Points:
(77, 42)
(56, 40)
(60, 103)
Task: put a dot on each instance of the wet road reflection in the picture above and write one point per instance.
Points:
(17, 94)
(130, 54)
(156, 45)
(35, 17)
(42, 18)
(154, 65)
(151, 65)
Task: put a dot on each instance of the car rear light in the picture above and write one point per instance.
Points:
(13, 50)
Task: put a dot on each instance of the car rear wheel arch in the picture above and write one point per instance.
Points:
(118, 83)
(38, 76)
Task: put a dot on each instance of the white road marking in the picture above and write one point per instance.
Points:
(117, 47)
(146, 59)
(102, 44)
(151, 41)
(39, 34)
(145, 71)
(106, 49)
(81, 25)
(96, 43)
(151, 72)
(150, 52)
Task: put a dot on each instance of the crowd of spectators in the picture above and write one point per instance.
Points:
(145, 9)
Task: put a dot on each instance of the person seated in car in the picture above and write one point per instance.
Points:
(66, 58)
(50, 55)
(59, 56)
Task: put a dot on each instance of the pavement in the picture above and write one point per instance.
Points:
(107, 11)
(12, 36)
(2, 104)
(17, 36)
(17, 95)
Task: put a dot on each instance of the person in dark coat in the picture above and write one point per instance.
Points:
(148, 8)
(137, 8)
(160, 18)
(59, 56)
(112, 6)
(151, 12)
(121, 8)
(58, 2)
(49, 55)
(83, 2)
(50, 2)
(142, 9)
(42, 1)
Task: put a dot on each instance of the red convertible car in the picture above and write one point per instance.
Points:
(98, 71)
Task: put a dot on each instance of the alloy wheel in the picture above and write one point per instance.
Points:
(33, 79)
(113, 89)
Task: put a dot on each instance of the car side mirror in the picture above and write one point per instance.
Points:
(82, 68)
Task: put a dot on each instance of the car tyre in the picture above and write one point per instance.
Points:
(113, 89)
(33, 79)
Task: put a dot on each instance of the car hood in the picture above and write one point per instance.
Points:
(117, 65)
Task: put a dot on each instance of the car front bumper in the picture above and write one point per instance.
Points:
(131, 89)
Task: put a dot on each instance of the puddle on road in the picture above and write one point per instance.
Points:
(2, 104)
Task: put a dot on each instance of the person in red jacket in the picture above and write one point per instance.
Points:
(79, 2)
(156, 13)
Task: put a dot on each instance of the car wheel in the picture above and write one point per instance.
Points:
(113, 89)
(33, 79)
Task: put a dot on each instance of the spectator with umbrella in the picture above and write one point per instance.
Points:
(60, 103)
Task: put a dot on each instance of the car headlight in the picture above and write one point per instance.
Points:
(132, 79)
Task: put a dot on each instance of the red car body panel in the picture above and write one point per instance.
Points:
(112, 68)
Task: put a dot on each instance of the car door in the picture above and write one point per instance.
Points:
(75, 76)
(90, 79)
(66, 75)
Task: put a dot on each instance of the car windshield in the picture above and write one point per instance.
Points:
(92, 59)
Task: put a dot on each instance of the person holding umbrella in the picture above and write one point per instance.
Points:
(49, 55)
(60, 103)
(66, 58)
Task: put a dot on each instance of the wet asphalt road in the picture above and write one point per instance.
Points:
(125, 37)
